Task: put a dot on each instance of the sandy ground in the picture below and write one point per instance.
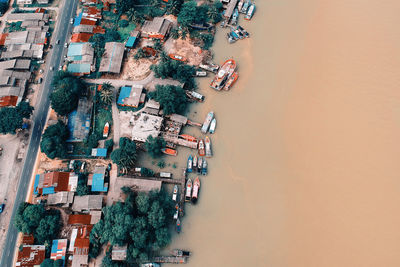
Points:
(185, 48)
(135, 70)
(126, 128)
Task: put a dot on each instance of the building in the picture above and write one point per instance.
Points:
(99, 152)
(43, 2)
(31, 255)
(52, 182)
(78, 219)
(229, 9)
(96, 179)
(59, 249)
(24, 2)
(119, 253)
(14, 17)
(63, 198)
(79, 121)
(87, 203)
(133, 39)
(81, 56)
(15, 64)
(111, 61)
(158, 28)
(130, 96)
(145, 125)
(12, 87)
(81, 37)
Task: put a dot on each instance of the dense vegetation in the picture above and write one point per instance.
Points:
(154, 146)
(141, 222)
(3, 7)
(125, 155)
(12, 118)
(34, 219)
(171, 98)
(67, 89)
(191, 13)
(54, 139)
(82, 189)
(52, 263)
(177, 70)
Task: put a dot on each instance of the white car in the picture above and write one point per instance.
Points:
(60, 68)
(71, 21)
(66, 45)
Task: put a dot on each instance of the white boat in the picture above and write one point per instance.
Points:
(208, 147)
(250, 12)
(207, 122)
(176, 214)
(175, 193)
(213, 125)
(188, 190)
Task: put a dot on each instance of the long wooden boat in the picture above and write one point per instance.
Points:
(204, 170)
(188, 137)
(201, 150)
(200, 165)
(178, 225)
(223, 74)
(213, 125)
(208, 147)
(232, 79)
(106, 130)
(169, 151)
(250, 12)
(188, 194)
(196, 188)
(175, 193)
(207, 122)
(190, 164)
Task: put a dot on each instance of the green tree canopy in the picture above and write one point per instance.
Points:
(52, 263)
(171, 98)
(66, 92)
(154, 146)
(125, 5)
(53, 142)
(11, 118)
(125, 155)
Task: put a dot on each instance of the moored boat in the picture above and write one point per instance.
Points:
(169, 151)
(195, 96)
(245, 6)
(231, 38)
(208, 147)
(210, 67)
(200, 165)
(196, 188)
(190, 164)
(207, 122)
(194, 163)
(175, 193)
(188, 190)
(240, 5)
(213, 125)
(106, 130)
(177, 57)
(231, 81)
(188, 137)
(176, 214)
(243, 31)
(223, 74)
(180, 253)
(238, 33)
(204, 169)
(202, 151)
(178, 225)
(235, 17)
(250, 12)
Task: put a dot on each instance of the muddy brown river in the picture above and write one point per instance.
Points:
(306, 169)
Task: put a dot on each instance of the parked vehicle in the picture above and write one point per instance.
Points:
(2, 208)
(40, 80)
(175, 193)
(58, 42)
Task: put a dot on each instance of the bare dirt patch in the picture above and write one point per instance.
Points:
(135, 70)
(185, 48)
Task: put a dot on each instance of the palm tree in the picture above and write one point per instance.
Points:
(106, 94)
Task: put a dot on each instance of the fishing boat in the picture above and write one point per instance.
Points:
(210, 67)
(105, 130)
(213, 125)
(208, 147)
(202, 151)
(188, 137)
(237, 32)
(235, 17)
(231, 81)
(180, 253)
(196, 188)
(243, 31)
(240, 5)
(204, 169)
(201, 73)
(231, 38)
(177, 57)
(175, 193)
(188, 190)
(169, 151)
(250, 12)
(178, 225)
(195, 96)
(223, 74)
(200, 165)
(194, 163)
(245, 6)
(176, 214)
(190, 164)
(207, 122)
(150, 264)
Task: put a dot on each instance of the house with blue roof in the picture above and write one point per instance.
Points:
(81, 58)
(96, 180)
(99, 152)
(131, 96)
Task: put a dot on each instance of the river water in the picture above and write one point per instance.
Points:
(306, 169)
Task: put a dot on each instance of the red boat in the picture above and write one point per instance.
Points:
(196, 188)
(188, 137)
(169, 151)
(177, 57)
(231, 81)
(202, 151)
(223, 75)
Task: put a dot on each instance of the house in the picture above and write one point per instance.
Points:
(14, 17)
(152, 107)
(63, 198)
(52, 182)
(87, 203)
(96, 179)
(59, 249)
(158, 28)
(111, 61)
(31, 255)
(145, 125)
(79, 121)
(119, 253)
(36, 48)
(16, 64)
(132, 40)
(24, 2)
(43, 2)
(130, 96)
(81, 37)
(12, 87)
(99, 152)
(79, 245)
(79, 219)
(81, 56)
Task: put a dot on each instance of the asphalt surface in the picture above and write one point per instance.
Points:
(61, 32)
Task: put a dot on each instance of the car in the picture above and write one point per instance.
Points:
(41, 71)
(60, 68)
(66, 45)
(51, 46)
(40, 80)
(2, 207)
(58, 42)
(71, 21)
(51, 68)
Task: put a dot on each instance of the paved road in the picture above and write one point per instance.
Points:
(63, 28)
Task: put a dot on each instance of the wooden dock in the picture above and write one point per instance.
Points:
(170, 259)
(179, 141)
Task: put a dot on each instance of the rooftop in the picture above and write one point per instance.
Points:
(130, 96)
(145, 125)
(112, 57)
(87, 203)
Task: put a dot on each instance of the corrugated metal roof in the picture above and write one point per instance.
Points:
(79, 68)
(131, 42)
(98, 183)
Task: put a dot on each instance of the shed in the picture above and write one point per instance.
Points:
(112, 58)
(99, 152)
(130, 96)
(87, 203)
(119, 253)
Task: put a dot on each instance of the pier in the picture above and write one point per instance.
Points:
(170, 259)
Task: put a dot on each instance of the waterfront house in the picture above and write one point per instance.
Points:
(158, 28)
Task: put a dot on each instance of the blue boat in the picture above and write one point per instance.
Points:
(190, 164)
(245, 7)
(230, 38)
(235, 17)
(204, 169)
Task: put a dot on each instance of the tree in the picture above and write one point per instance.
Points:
(154, 146)
(3, 7)
(92, 142)
(125, 5)
(123, 23)
(207, 39)
(106, 94)
(82, 189)
(98, 41)
(52, 263)
(53, 142)
(214, 12)
(174, 7)
(125, 155)
(66, 92)
(24, 109)
(11, 118)
(48, 228)
(187, 14)
(171, 98)
(146, 172)
(112, 35)
(158, 46)
(109, 144)
(174, 33)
